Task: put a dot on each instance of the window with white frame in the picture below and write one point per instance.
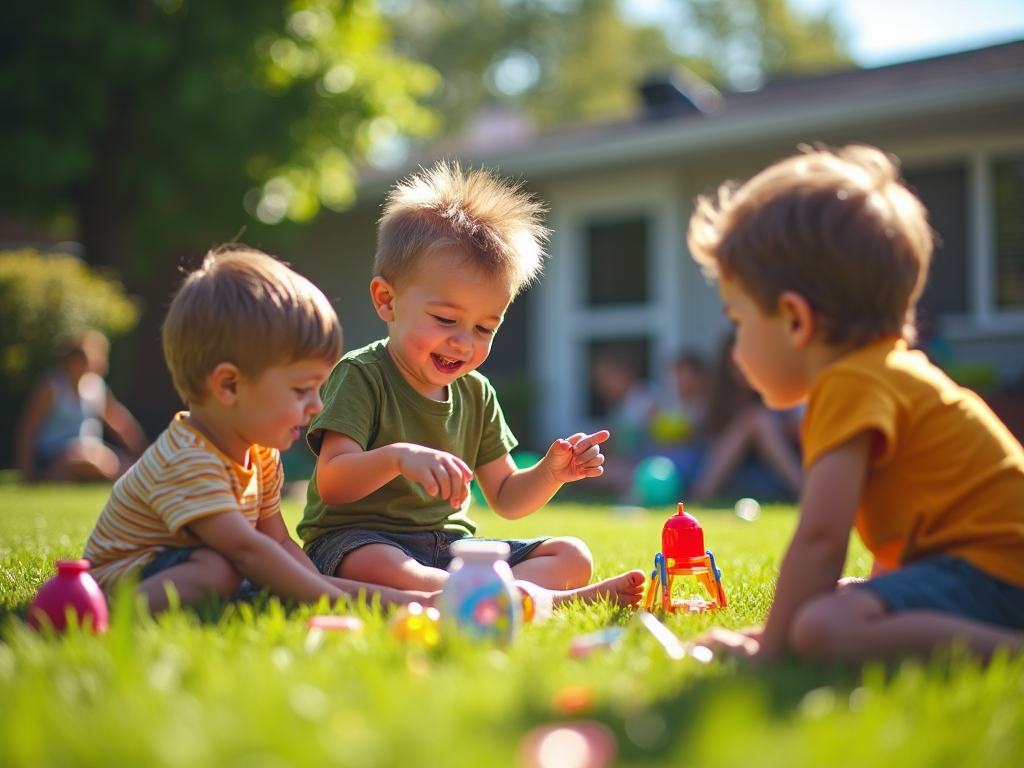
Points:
(943, 191)
(976, 206)
(611, 290)
(617, 261)
(616, 264)
(1008, 202)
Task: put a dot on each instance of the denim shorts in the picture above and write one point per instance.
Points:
(172, 556)
(429, 548)
(950, 585)
(167, 558)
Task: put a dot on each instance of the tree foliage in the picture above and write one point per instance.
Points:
(579, 60)
(148, 123)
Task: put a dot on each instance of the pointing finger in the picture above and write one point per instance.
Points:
(591, 440)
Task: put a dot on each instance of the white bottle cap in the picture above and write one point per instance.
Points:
(480, 550)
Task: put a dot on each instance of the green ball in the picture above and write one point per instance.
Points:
(656, 482)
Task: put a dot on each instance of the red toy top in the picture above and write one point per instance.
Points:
(682, 538)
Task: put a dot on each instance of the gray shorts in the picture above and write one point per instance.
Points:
(429, 548)
(950, 585)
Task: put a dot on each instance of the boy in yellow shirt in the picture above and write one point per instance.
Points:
(820, 261)
(248, 343)
(408, 421)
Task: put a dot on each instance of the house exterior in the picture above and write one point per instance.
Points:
(620, 280)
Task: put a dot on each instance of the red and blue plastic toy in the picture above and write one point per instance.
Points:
(683, 554)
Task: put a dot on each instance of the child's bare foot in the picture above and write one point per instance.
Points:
(626, 589)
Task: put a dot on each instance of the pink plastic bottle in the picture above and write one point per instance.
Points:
(74, 588)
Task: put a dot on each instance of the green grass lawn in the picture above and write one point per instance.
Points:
(250, 687)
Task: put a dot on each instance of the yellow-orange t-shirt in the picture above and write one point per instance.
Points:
(946, 476)
(179, 479)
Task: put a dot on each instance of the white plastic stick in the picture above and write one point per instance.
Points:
(662, 634)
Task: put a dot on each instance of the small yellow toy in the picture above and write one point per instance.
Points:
(683, 554)
(415, 623)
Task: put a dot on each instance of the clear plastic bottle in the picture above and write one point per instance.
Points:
(480, 600)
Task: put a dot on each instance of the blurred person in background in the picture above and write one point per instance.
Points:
(629, 403)
(739, 425)
(60, 434)
(678, 427)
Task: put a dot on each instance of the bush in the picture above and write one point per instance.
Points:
(43, 297)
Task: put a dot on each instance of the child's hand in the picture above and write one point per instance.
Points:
(576, 457)
(745, 642)
(442, 474)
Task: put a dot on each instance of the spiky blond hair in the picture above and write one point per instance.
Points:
(492, 222)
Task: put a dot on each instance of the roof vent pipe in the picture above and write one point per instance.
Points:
(679, 92)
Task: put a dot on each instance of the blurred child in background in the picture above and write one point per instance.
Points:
(741, 428)
(60, 434)
(678, 426)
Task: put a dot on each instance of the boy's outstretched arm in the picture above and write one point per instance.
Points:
(275, 528)
(264, 562)
(817, 552)
(346, 473)
(515, 493)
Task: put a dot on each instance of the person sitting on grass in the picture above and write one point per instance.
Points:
(408, 421)
(248, 343)
(820, 261)
(60, 432)
(742, 428)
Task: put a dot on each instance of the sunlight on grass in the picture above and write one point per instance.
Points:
(247, 685)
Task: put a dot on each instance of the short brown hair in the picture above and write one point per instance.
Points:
(493, 221)
(245, 307)
(837, 227)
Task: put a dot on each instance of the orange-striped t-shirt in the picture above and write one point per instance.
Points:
(946, 476)
(180, 478)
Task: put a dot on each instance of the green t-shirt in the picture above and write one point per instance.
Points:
(367, 399)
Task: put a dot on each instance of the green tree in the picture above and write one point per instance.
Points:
(580, 60)
(147, 124)
(747, 41)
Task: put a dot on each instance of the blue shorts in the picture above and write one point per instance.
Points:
(167, 558)
(172, 556)
(429, 548)
(950, 585)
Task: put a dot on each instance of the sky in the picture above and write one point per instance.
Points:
(888, 31)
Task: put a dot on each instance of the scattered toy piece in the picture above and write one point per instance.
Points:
(573, 699)
(662, 634)
(584, 645)
(72, 590)
(582, 744)
(415, 623)
(335, 623)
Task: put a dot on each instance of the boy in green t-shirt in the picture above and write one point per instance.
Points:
(408, 422)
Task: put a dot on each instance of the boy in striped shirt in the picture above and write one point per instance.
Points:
(248, 343)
